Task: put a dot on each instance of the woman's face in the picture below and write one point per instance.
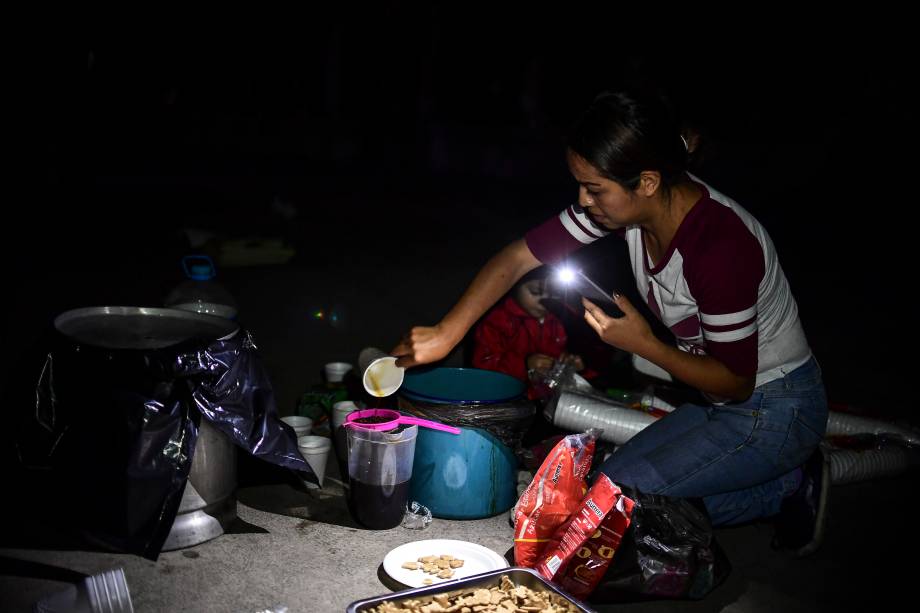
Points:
(607, 202)
(530, 296)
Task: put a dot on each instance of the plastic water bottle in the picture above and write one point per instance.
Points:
(630, 398)
(647, 400)
(200, 293)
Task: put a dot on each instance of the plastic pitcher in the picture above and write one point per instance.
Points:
(379, 470)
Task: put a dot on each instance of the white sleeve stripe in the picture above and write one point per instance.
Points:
(731, 335)
(580, 226)
(587, 224)
(729, 318)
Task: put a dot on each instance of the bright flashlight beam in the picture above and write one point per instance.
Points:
(566, 275)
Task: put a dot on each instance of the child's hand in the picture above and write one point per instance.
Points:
(539, 362)
(573, 359)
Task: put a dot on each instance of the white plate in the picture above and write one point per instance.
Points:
(476, 559)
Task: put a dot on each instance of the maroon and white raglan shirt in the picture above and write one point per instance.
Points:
(719, 287)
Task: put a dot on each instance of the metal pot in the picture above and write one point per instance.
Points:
(209, 502)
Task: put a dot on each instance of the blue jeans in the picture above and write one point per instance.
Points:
(740, 458)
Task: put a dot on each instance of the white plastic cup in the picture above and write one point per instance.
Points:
(335, 371)
(108, 591)
(340, 411)
(302, 425)
(315, 450)
(379, 372)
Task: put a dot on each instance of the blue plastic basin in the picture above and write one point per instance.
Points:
(468, 475)
(463, 476)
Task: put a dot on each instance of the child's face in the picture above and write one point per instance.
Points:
(530, 295)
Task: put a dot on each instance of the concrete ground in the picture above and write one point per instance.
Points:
(299, 549)
(385, 267)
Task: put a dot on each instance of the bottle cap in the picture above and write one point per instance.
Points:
(199, 267)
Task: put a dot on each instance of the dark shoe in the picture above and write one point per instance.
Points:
(800, 523)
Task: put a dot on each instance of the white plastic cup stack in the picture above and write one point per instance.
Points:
(103, 592)
(301, 425)
(336, 371)
(315, 450)
(577, 412)
(379, 372)
(108, 591)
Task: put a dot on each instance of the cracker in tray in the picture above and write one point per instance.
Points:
(506, 597)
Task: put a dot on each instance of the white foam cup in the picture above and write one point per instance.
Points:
(379, 372)
(302, 425)
(315, 450)
(340, 411)
(335, 371)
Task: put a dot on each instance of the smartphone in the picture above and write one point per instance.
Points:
(584, 286)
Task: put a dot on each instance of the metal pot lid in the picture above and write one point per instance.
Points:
(140, 327)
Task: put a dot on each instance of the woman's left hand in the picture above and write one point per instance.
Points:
(630, 333)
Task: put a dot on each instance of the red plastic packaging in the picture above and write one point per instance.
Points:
(581, 526)
(587, 568)
(552, 496)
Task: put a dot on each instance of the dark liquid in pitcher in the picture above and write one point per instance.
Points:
(377, 507)
(340, 443)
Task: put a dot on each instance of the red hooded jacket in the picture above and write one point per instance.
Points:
(509, 334)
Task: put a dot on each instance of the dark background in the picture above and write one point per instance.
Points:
(380, 126)
(396, 147)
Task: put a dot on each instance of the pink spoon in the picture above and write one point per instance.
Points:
(394, 418)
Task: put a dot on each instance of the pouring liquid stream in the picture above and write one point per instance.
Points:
(375, 384)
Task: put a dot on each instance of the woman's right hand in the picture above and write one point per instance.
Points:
(423, 345)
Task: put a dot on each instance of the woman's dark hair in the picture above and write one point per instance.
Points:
(622, 134)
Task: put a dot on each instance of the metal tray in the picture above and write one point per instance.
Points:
(120, 327)
(520, 576)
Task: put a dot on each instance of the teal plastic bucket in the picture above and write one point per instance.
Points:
(463, 476)
(473, 474)
(460, 386)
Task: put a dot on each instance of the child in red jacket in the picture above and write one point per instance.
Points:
(520, 335)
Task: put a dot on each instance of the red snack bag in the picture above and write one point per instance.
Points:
(552, 496)
(569, 538)
(587, 568)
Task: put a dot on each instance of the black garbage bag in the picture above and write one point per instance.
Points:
(109, 440)
(506, 421)
(230, 388)
(668, 552)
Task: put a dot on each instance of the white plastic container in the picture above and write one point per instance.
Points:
(200, 293)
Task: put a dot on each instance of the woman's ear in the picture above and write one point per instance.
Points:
(649, 182)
